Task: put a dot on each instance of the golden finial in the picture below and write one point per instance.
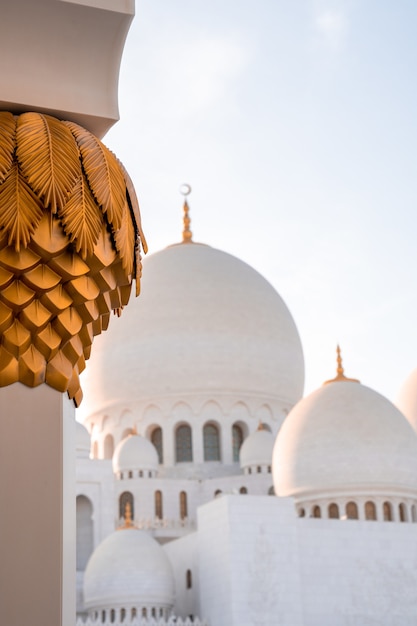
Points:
(260, 426)
(187, 235)
(134, 430)
(128, 522)
(340, 375)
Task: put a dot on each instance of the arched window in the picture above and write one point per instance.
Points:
(237, 440)
(126, 497)
(402, 512)
(95, 450)
(316, 511)
(188, 579)
(158, 504)
(387, 510)
(183, 505)
(211, 443)
(243, 490)
(112, 616)
(183, 447)
(156, 438)
(122, 615)
(333, 511)
(301, 512)
(85, 535)
(271, 491)
(413, 513)
(370, 510)
(352, 510)
(218, 492)
(108, 446)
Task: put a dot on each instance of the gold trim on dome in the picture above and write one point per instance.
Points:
(340, 376)
(70, 241)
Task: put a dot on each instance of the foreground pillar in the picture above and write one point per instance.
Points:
(70, 240)
(37, 507)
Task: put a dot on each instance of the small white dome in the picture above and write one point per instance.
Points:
(257, 449)
(407, 399)
(128, 569)
(135, 453)
(82, 441)
(344, 439)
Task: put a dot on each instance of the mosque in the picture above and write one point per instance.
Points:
(211, 492)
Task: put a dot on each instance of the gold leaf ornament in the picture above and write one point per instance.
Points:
(103, 173)
(81, 218)
(20, 209)
(7, 142)
(48, 158)
(70, 235)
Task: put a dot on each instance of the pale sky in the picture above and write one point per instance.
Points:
(295, 123)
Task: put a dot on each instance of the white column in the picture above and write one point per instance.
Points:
(37, 512)
(227, 445)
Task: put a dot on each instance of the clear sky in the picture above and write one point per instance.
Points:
(295, 123)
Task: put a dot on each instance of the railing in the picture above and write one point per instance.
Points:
(155, 523)
(142, 621)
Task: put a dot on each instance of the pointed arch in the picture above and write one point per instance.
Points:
(124, 498)
(211, 442)
(156, 439)
(108, 446)
(183, 444)
(237, 440)
(85, 531)
(159, 510)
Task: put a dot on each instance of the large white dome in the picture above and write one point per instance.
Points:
(407, 399)
(204, 322)
(128, 569)
(344, 439)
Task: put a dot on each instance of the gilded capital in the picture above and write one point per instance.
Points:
(70, 244)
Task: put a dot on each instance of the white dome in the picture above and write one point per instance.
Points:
(204, 322)
(257, 449)
(82, 441)
(344, 438)
(407, 399)
(128, 569)
(135, 453)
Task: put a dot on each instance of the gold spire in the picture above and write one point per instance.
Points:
(340, 375)
(128, 522)
(187, 235)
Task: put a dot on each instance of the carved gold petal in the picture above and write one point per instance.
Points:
(32, 367)
(17, 295)
(125, 240)
(81, 218)
(103, 173)
(9, 368)
(48, 157)
(6, 317)
(16, 339)
(7, 142)
(20, 209)
(41, 278)
(18, 262)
